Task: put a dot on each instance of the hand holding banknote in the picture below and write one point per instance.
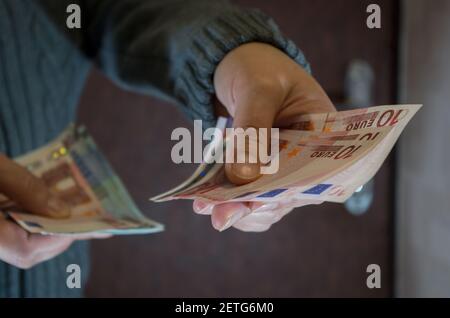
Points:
(324, 155)
(260, 87)
(72, 168)
(18, 247)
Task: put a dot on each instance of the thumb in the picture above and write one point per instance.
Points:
(29, 192)
(256, 118)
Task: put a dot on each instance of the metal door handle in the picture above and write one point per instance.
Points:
(358, 90)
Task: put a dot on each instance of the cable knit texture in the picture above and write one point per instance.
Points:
(165, 48)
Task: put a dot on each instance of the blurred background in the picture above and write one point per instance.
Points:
(317, 251)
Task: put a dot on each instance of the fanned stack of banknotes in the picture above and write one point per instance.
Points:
(322, 157)
(73, 167)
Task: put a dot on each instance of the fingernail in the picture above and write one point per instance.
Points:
(207, 210)
(199, 206)
(233, 218)
(57, 208)
(246, 172)
(202, 208)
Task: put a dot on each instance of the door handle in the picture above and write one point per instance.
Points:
(359, 82)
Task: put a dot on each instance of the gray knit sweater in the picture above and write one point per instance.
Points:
(166, 48)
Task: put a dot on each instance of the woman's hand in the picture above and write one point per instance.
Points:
(260, 87)
(18, 247)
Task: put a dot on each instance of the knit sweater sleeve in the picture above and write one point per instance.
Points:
(170, 48)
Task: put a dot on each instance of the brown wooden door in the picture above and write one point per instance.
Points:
(315, 251)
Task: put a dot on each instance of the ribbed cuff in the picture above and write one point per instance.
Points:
(194, 85)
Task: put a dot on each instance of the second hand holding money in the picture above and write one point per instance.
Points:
(18, 247)
(261, 87)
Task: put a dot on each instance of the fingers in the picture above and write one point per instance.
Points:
(263, 216)
(262, 219)
(252, 227)
(248, 216)
(226, 214)
(24, 250)
(262, 87)
(201, 207)
(256, 106)
(223, 216)
(45, 248)
(255, 117)
(31, 193)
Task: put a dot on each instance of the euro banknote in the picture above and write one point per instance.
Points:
(73, 168)
(324, 157)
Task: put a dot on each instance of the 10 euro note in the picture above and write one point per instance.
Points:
(322, 157)
(342, 185)
(74, 169)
